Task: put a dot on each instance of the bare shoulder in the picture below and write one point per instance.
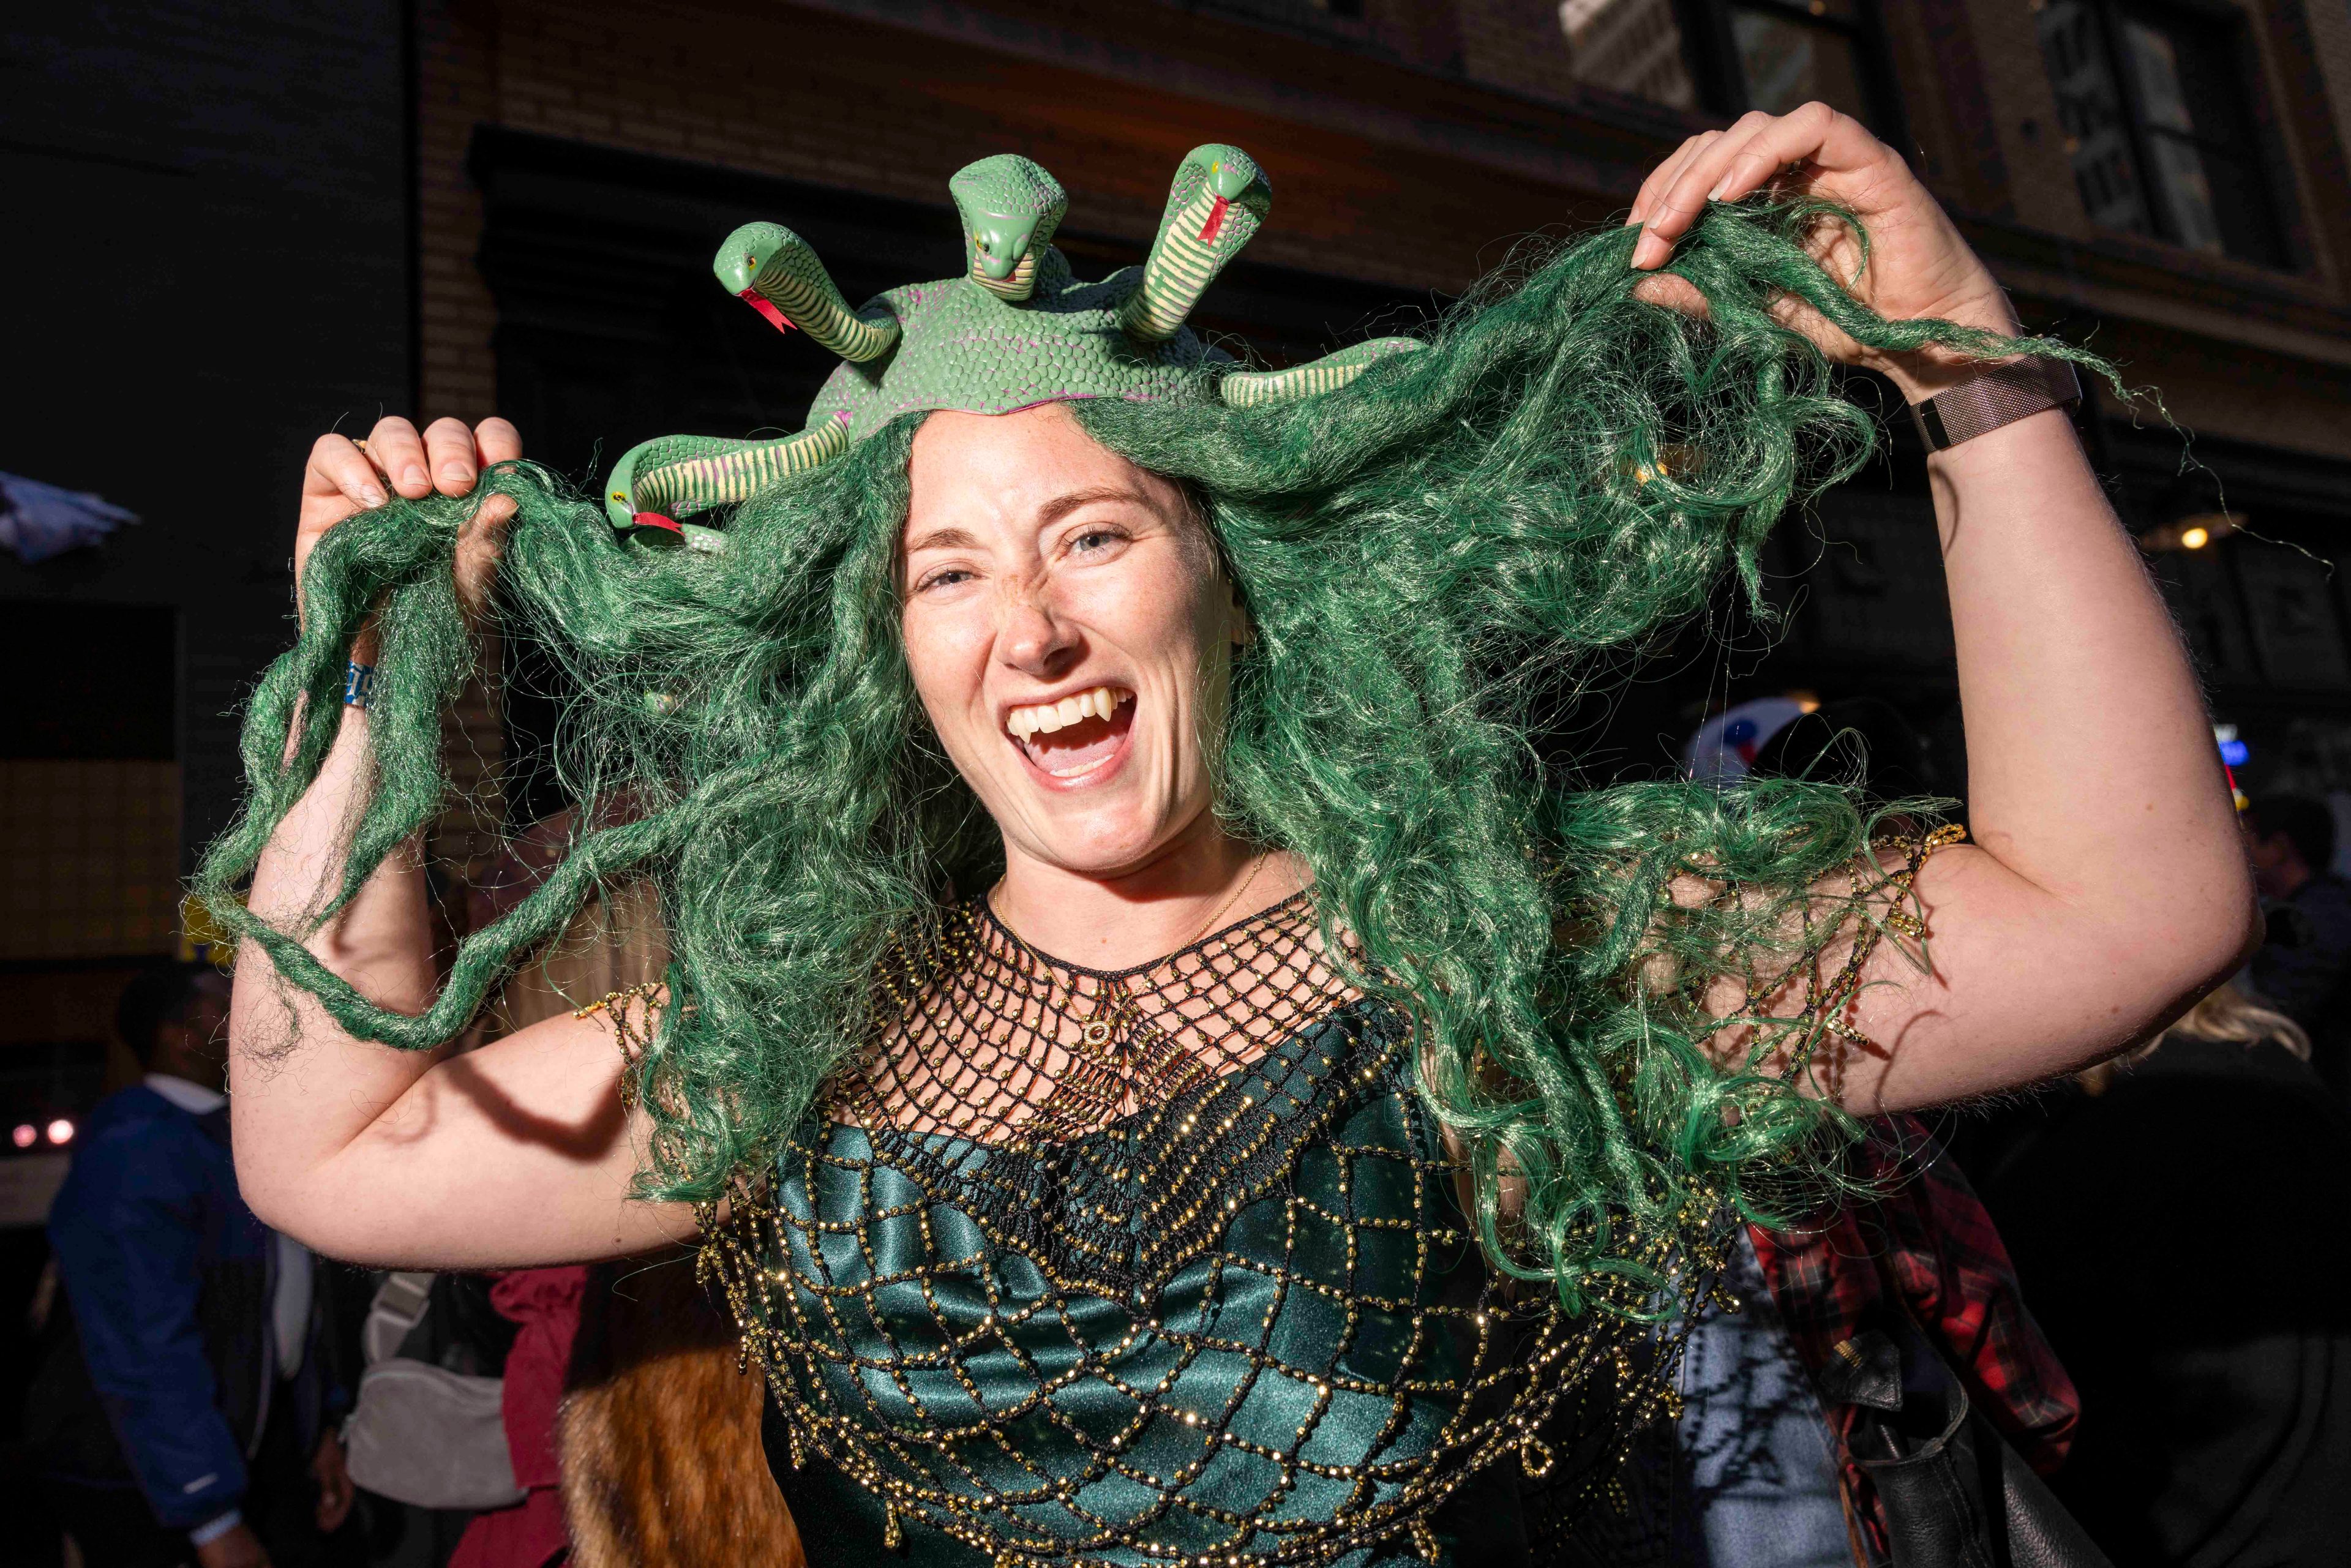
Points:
(629, 1016)
(1775, 978)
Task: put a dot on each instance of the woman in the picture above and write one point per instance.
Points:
(1180, 1082)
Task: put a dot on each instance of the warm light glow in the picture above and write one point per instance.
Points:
(2194, 538)
(25, 1135)
(61, 1131)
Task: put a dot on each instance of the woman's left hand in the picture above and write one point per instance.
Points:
(1917, 264)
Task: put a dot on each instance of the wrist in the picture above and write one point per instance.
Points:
(213, 1529)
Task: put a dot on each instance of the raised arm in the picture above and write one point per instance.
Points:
(2107, 887)
(515, 1155)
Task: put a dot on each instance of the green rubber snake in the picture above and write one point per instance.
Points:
(1220, 198)
(1244, 389)
(1015, 330)
(776, 272)
(1009, 208)
(673, 474)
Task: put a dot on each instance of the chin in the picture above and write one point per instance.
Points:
(1099, 840)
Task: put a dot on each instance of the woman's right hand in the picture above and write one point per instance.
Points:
(346, 477)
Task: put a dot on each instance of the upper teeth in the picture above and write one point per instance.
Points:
(1045, 718)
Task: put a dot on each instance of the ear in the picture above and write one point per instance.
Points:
(1244, 629)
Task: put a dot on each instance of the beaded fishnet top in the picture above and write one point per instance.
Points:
(1164, 1265)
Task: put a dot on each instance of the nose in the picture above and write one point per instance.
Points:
(1029, 636)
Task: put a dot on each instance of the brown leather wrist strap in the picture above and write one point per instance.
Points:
(2002, 395)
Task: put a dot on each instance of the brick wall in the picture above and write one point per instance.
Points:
(838, 99)
(1518, 45)
(2023, 109)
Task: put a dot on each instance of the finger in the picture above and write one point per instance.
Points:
(1648, 251)
(398, 451)
(338, 467)
(1826, 335)
(1813, 134)
(497, 442)
(1674, 293)
(1681, 201)
(478, 546)
(1669, 175)
(449, 445)
(1662, 175)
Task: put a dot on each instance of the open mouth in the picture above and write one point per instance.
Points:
(1077, 736)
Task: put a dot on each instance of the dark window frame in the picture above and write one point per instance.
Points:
(1713, 50)
(2283, 248)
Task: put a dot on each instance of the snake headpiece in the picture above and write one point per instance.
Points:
(1015, 330)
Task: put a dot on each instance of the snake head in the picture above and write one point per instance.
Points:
(748, 251)
(1009, 207)
(998, 243)
(1229, 176)
(1219, 199)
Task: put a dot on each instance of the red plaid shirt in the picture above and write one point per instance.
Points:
(1925, 1246)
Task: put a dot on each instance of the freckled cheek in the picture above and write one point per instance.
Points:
(948, 657)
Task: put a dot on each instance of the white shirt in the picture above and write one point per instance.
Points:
(289, 1306)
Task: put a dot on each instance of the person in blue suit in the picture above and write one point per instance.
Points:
(181, 1411)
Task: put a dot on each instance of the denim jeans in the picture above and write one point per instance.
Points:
(1757, 1469)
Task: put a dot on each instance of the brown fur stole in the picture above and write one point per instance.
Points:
(660, 1433)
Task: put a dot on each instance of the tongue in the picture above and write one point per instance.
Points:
(1078, 745)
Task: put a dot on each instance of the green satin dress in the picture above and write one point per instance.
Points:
(1244, 1321)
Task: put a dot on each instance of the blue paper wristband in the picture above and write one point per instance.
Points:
(359, 685)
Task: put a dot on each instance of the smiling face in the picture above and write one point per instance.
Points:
(1070, 631)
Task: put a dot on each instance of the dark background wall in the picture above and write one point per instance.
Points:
(211, 262)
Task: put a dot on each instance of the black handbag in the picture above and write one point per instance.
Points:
(1954, 1494)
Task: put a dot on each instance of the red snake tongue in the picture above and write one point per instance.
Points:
(766, 307)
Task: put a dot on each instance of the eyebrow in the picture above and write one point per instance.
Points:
(1061, 507)
(945, 538)
(1051, 512)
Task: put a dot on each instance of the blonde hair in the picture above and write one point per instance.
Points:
(2235, 1013)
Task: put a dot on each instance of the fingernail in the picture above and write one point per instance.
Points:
(1720, 186)
(371, 496)
(415, 474)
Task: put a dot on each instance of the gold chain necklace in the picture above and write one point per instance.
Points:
(1114, 1018)
(1110, 1015)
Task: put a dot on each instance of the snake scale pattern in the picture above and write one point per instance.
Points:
(1016, 329)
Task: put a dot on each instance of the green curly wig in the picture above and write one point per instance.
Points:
(1431, 553)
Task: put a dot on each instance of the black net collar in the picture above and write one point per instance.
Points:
(981, 1037)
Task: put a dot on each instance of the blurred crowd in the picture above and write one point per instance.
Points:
(2118, 1306)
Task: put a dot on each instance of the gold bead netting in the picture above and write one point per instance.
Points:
(1035, 1279)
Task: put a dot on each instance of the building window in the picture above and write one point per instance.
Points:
(2157, 107)
(1786, 54)
(1729, 56)
(1630, 46)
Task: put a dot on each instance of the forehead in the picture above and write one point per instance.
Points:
(975, 467)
